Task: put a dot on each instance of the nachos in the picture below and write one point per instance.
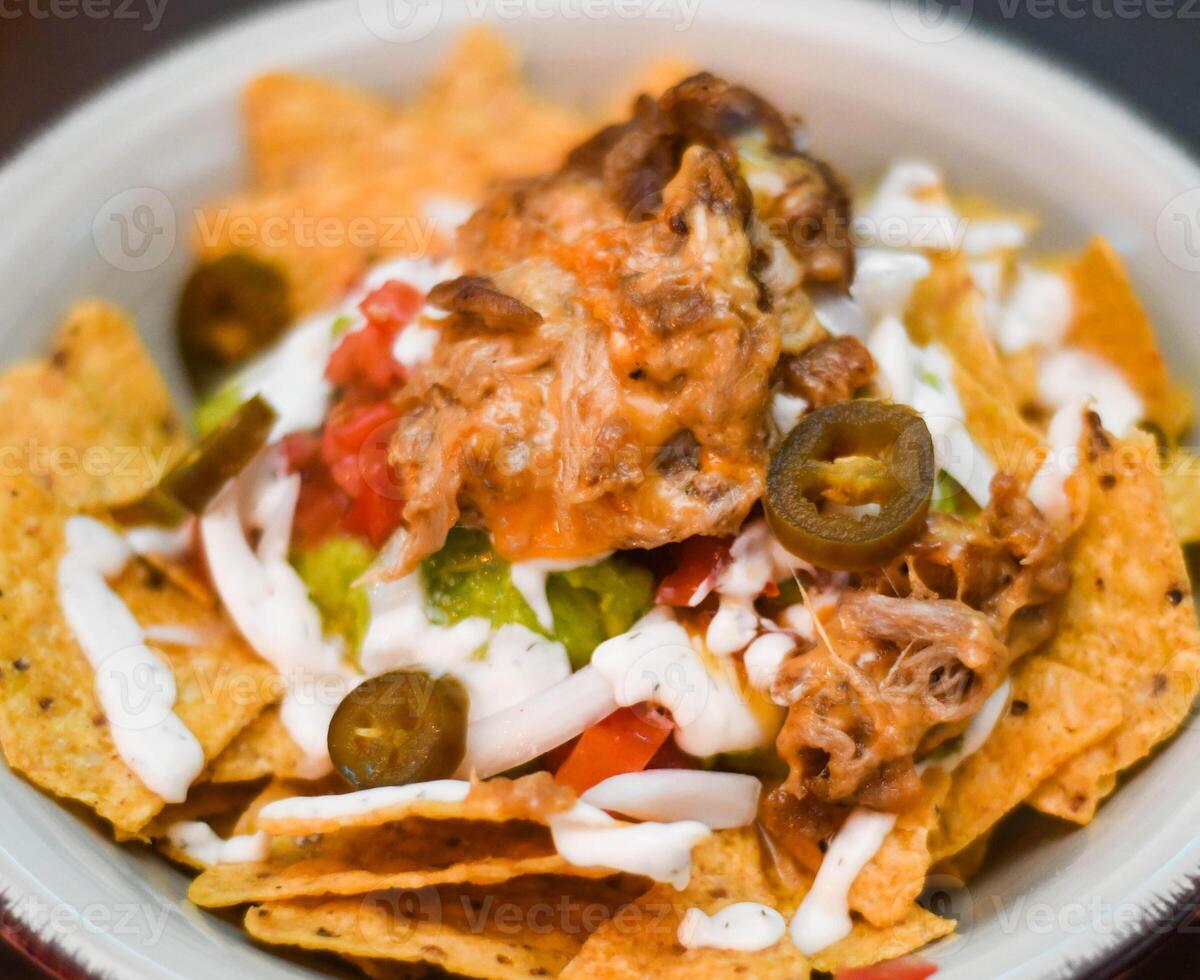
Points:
(628, 552)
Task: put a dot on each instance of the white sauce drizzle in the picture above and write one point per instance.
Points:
(745, 926)
(719, 800)
(589, 837)
(787, 411)
(909, 211)
(733, 627)
(529, 578)
(824, 915)
(1037, 312)
(1070, 377)
(168, 543)
(362, 802)
(1048, 488)
(884, 280)
(199, 842)
(269, 603)
(656, 662)
(136, 689)
(415, 344)
(766, 655)
(180, 636)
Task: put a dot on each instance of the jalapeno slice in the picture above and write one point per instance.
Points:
(401, 727)
(231, 308)
(851, 485)
(196, 479)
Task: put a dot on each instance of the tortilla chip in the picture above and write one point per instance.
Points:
(51, 725)
(888, 887)
(642, 941)
(1111, 323)
(1181, 481)
(867, 945)
(282, 789)
(947, 308)
(292, 121)
(411, 854)
(1128, 623)
(94, 421)
(363, 198)
(967, 863)
(216, 805)
(997, 427)
(1055, 712)
(264, 749)
(532, 798)
(530, 927)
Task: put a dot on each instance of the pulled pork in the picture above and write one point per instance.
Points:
(602, 379)
(913, 654)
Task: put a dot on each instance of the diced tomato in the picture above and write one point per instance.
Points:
(319, 511)
(364, 359)
(347, 432)
(623, 742)
(300, 450)
(906, 968)
(701, 560)
(392, 304)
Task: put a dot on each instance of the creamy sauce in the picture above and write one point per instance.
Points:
(1037, 312)
(733, 627)
(990, 235)
(824, 916)
(533, 727)
(884, 281)
(1071, 377)
(199, 842)
(656, 662)
(924, 379)
(269, 603)
(719, 800)
(529, 578)
(1048, 488)
(787, 411)
(167, 543)
(766, 655)
(909, 211)
(589, 837)
(180, 636)
(362, 802)
(135, 688)
(745, 926)
(516, 663)
(414, 345)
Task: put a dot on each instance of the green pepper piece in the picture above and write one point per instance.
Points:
(400, 727)
(838, 459)
(330, 571)
(196, 479)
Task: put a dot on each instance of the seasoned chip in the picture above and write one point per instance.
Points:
(530, 927)
(866, 945)
(51, 725)
(293, 122)
(377, 191)
(1054, 713)
(887, 888)
(1181, 480)
(94, 421)
(1128, 623)
(264, 749)
(1111, 323)
(642, 940)
(410, 854)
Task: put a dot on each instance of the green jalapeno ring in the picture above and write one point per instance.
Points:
(851, 453)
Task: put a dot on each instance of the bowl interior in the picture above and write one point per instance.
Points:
(995, 120)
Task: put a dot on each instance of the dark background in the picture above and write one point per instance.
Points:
(1146, 51)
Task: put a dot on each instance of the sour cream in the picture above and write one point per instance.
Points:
(361, 803)
(719, 800)
(167, 543)
(199, 842)
(656, 662)
(135, 688)
(1048, 488)
(1037, 312)
(884, 281)
(765, 656)
(824, 915)
(1070, 377)
(529, 578)
(744, 926)
(909, 210)
(589, 837)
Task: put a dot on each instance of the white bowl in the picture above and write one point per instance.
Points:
(874, 84)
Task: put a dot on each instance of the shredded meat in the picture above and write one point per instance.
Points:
(603, 377)
(829, 372)
(915, 651)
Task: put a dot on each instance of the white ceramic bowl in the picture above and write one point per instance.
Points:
(874, 84)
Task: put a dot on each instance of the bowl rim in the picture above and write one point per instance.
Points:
(1168, 898)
